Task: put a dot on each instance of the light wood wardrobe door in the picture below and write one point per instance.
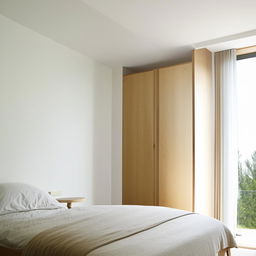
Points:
(176, 137)
(138, 139)
(204, 132)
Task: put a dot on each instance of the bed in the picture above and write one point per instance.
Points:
(52, 229)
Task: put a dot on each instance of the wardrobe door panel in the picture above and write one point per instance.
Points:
(176, 137)
(204, 132)
(138, 139)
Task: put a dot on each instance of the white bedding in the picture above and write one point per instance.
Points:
(20, 197)
(17, 229)
(192, 235)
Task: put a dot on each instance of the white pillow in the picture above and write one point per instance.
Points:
(19, 197)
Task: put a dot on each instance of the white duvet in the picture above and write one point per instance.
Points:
(190, 235)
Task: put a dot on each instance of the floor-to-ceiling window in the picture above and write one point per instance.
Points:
(246, 205)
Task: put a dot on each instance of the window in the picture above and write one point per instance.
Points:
(246, 205)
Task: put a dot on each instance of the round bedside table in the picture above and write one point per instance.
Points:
(70, 200)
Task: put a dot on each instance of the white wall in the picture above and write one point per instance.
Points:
(117, 135)
(55, 116)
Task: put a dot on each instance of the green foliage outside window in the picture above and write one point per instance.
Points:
(246, 214)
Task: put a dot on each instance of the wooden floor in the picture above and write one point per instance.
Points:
(243, 252)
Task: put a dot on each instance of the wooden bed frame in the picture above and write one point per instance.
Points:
(11, 252)
(224, 252)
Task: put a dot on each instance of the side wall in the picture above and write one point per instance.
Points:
(55, 116)
(117, 135)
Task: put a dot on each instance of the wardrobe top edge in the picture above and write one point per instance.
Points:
(155, 69)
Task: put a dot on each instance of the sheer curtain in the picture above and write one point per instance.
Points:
(226, 150)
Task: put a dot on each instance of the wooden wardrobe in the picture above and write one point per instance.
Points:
(159, 137)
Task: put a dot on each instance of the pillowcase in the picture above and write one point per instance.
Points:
(19, 197)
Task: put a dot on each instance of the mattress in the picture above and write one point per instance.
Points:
(187, 235)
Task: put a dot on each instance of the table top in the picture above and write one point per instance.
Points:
(70, 199)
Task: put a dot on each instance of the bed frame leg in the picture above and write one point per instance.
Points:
(224, 252)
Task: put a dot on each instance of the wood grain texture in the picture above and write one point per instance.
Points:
(156, 135)
(176, 137)
(203, 131)
(139, 139)
(9, 252)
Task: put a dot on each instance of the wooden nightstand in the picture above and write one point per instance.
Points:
(70, 200)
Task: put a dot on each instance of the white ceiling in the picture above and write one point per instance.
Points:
(135, 32)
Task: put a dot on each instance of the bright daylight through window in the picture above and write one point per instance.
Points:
(246, 207)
